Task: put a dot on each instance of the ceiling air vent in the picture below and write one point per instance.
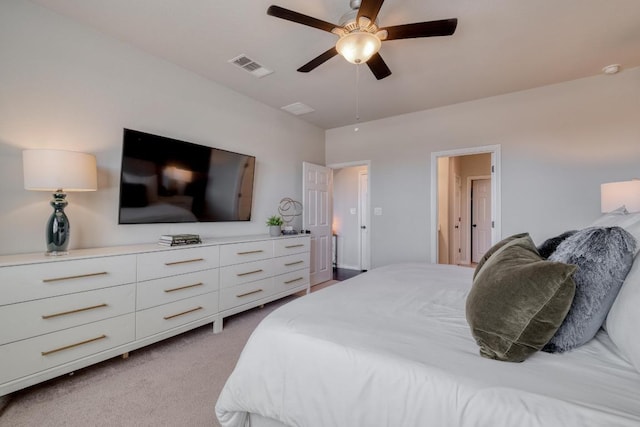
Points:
(250, 66)
(298, 108)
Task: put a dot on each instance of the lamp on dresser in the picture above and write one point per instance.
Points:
(58, 171)
(616, 194)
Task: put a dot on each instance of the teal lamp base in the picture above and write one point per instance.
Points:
(57, 232)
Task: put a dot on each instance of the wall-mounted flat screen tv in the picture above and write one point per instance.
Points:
(164, 180)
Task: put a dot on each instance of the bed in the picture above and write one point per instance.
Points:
(392, 347)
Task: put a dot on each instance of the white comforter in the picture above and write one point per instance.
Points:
(391, 347)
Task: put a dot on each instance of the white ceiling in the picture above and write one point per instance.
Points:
(500, 46)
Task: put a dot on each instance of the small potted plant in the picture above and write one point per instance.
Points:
(275, 225)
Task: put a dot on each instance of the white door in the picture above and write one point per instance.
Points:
(456, 244)
(317, 197)
(480, 218)
(363, 207)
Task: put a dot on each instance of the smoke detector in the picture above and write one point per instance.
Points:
(611, 69)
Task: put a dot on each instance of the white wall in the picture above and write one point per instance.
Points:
(558, 144)
(66, 86)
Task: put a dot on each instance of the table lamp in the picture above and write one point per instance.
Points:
(58, 171)
(616, 194)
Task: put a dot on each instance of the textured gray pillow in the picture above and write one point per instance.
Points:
(549, 246)
(604, 256)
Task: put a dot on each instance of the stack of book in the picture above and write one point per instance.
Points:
(179, 239)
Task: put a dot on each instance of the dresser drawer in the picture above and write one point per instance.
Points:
(47, 351)
(233, 275)
(293, 279)
(158, 319)
(154, 265)
(244, 252)
(36, 281)
(245, 293)
(292, 245)
(39, 317)
(162, 291)
(291, 263)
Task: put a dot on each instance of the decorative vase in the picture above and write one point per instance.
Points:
(274, 230)
(58, 227)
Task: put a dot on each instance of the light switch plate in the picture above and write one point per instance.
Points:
(377, 211)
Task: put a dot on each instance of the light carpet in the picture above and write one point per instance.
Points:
(175, 382)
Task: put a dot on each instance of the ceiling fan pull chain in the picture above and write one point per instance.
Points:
(357, 92)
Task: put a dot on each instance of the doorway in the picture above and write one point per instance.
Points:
(351, 217)
(455, 239)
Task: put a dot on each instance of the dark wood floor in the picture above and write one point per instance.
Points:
(344, 273)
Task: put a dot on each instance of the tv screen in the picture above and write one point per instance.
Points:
(166, 180)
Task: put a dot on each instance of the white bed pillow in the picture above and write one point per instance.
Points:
(623, 321)
(608, 218)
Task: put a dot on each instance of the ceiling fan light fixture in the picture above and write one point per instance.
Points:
(358, 47)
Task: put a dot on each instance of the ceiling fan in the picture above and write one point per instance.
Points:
(360, 37)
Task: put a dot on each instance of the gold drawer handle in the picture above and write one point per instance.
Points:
(294, 246)
(184, 287)
(67, 347)
(249, 252)
(183, 262)
(80, 276)
(293, 280)
(249, 272)
(249, 293)
(288, 264)
(183, 313)
(78, 310)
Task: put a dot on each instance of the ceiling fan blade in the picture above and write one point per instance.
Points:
(318, 60)
(370, 9)
(378, 67)
(443, 27)
(290, 15)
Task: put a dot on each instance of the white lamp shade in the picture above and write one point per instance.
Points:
(51, 170)
(616, 194)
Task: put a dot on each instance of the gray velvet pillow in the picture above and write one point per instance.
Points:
(518, 301)
(603, 256)
(493, 250)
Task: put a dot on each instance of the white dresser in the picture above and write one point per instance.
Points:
(175, 288)
(59, 314)
(254, 273)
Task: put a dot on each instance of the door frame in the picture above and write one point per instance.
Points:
(496, 166)
(363, 255)
(457, 222)
(366, 163)
(470, 179)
